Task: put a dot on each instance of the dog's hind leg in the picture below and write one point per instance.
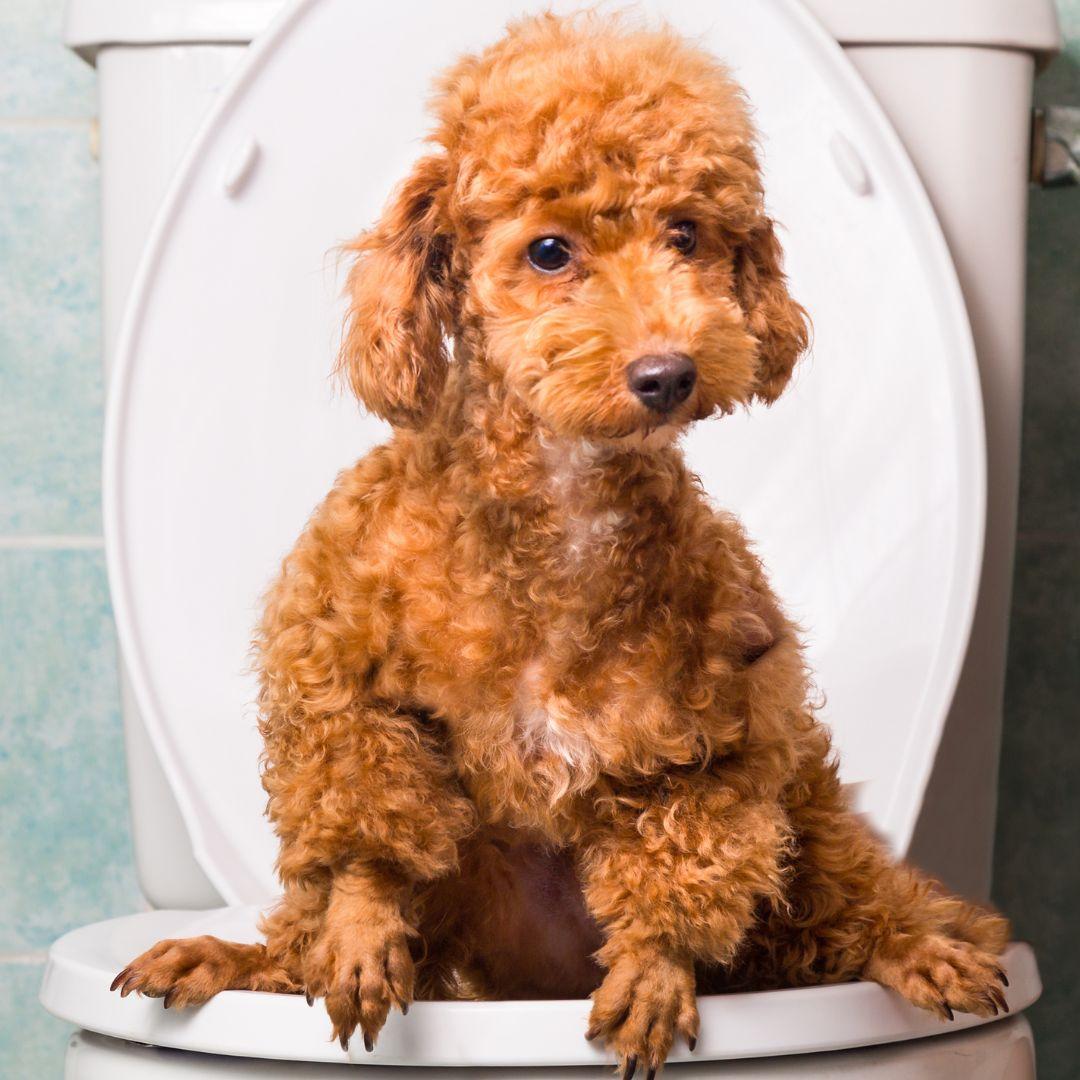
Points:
(189, 971)
(852, 912)
(936, 950)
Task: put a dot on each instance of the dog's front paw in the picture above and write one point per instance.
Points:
(190, 971)
(361, 972)
(645, 1000)
(941, 974)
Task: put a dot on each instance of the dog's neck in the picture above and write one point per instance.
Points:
(592, 515)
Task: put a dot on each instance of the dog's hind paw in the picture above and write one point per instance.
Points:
(941, 974)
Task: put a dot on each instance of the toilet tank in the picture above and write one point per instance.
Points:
(955, 78)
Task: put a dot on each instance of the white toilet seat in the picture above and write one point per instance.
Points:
(870, 515)
(501, 1033)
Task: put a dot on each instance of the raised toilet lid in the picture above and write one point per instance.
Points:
(863, 486)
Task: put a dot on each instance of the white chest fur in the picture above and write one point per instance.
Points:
(543, 721)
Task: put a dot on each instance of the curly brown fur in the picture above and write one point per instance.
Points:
(535, 724)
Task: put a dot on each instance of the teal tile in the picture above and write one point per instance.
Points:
(50, 370)
(65, 849)
(1049, 493)
(1069, 15)
(1059, 83)
(40, 76)
(1037, 877)
(32, 1043)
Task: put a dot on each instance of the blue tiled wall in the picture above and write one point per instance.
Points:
(64, 846)
(65, 851)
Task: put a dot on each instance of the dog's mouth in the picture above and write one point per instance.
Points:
(646, 439)
(651, 431)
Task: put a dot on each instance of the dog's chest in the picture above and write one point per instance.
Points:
(553, 665)
(545, 724)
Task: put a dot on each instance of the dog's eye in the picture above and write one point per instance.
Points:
(549, 253)
(682, 236)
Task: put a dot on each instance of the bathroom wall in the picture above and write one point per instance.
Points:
(65, 855)
(1037, 860)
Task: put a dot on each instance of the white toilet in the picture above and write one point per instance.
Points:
(895, 137)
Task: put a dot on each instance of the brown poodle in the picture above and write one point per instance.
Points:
(535, 724)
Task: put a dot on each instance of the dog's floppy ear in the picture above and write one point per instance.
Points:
(393, 351)
(777, 321)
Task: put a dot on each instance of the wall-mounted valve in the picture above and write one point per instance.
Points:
(1055, 146)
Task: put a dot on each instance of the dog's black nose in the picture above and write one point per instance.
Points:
(662, 382)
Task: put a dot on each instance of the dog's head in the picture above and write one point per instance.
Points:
(592, 223)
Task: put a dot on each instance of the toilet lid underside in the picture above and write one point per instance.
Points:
(863, 486)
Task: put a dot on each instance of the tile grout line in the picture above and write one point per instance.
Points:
(38, 123)
(58, 542)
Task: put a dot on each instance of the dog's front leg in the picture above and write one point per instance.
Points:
(673, 878)
(368, 809)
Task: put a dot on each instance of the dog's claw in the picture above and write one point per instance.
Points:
(651, 1074)
(369, 1043)
(629, 1068)
(405, 1009)
(949, 1014)
(1003, 977)
(118, 980)
(344, 1040)
(309, 999)
(170, 997)
(692, 1043)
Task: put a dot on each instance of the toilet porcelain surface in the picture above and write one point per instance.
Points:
(488, 1034)
(1001, 1051)
(864, 486)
